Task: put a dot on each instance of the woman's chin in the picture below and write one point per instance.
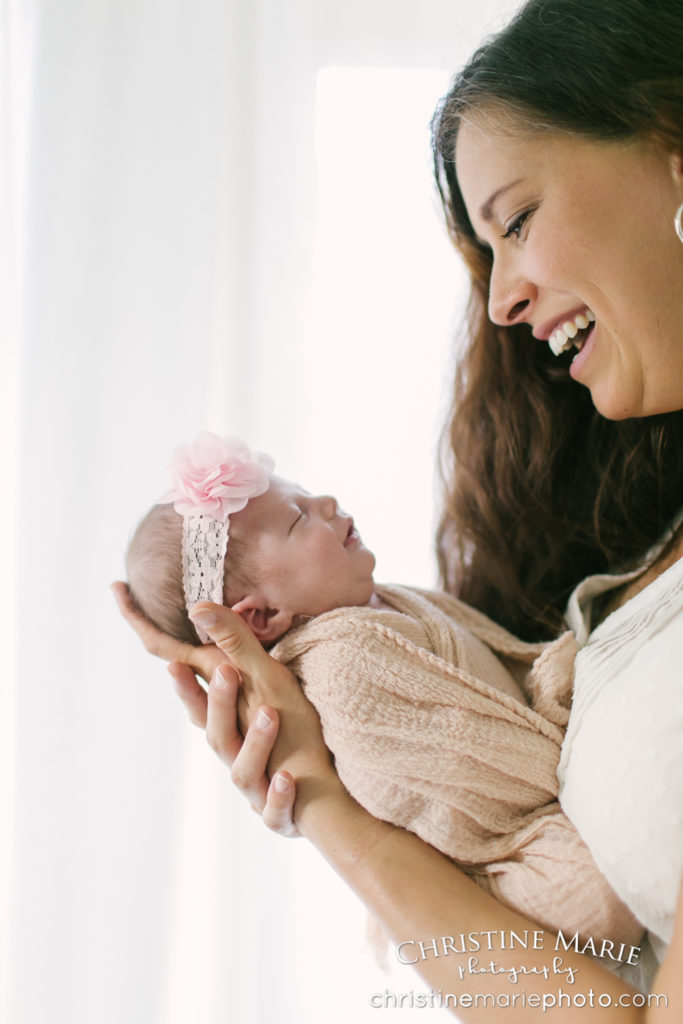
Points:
(613, 404)
(614, 400)
(612, 410)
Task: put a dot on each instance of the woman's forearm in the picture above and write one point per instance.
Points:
(421, 897)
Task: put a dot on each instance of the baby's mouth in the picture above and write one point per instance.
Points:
(351, 535)
(572, 333)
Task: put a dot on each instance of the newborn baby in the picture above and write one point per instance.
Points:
(439, 720)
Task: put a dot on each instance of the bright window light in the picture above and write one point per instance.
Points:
(388, 285)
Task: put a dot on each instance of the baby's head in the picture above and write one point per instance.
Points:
(290, 554)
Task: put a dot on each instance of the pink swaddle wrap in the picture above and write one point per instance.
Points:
(444, 723)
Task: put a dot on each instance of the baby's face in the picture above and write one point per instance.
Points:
(309, 556)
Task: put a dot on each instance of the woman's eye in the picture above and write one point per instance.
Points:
(515, 228)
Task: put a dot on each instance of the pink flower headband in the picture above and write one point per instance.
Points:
(212, 478)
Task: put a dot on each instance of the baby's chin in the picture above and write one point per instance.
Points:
(372, 561)
(355, 597)
(370, 591)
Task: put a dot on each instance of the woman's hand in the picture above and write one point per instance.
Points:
(246, 756)
(240, 709)
(266, 706)
(203, 659)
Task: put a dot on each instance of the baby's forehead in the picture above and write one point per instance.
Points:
(282, 494)
(269, 510)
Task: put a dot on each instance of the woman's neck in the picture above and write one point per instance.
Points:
(670, 553)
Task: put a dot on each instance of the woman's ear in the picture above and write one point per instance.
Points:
(267, 624)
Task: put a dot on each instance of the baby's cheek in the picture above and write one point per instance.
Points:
(330, 568)
(324, 551)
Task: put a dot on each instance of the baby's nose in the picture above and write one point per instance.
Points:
(328, 506)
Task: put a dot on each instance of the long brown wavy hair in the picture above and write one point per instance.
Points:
(540, 490)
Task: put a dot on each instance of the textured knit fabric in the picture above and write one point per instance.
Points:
(442, 722)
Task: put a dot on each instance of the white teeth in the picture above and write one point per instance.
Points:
(561, 338)
(558, 341)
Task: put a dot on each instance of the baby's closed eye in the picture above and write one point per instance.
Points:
(298, 517)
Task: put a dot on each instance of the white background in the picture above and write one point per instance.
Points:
(215, 214)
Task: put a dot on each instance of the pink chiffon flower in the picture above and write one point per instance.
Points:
(215, 476)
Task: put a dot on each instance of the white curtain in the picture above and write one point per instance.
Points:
(199, 231)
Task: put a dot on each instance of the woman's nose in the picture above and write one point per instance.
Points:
(511, 297)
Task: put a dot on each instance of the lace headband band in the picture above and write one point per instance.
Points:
(211, 479)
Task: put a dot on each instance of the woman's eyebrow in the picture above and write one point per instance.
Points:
(486, 209)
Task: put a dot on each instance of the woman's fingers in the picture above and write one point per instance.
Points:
(230, 633)
(214, 708)
(278, 814)
(248, 757)
(203, 658)
(190, 692)
(222, 730)
(156, 642)
(265, 680)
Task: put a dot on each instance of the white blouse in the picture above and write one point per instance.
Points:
(621, 769)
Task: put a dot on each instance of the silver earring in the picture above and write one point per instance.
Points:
(678, 222)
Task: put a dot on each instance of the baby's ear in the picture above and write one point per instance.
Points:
(267, 624)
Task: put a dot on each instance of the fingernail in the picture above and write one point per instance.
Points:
(262, 721)
(281, 783)
(205, 619)
(219, 680)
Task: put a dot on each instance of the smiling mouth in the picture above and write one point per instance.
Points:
(572, 333)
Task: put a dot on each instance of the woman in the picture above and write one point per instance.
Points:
(559, 156)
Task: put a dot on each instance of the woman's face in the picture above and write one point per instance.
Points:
(584, 229)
